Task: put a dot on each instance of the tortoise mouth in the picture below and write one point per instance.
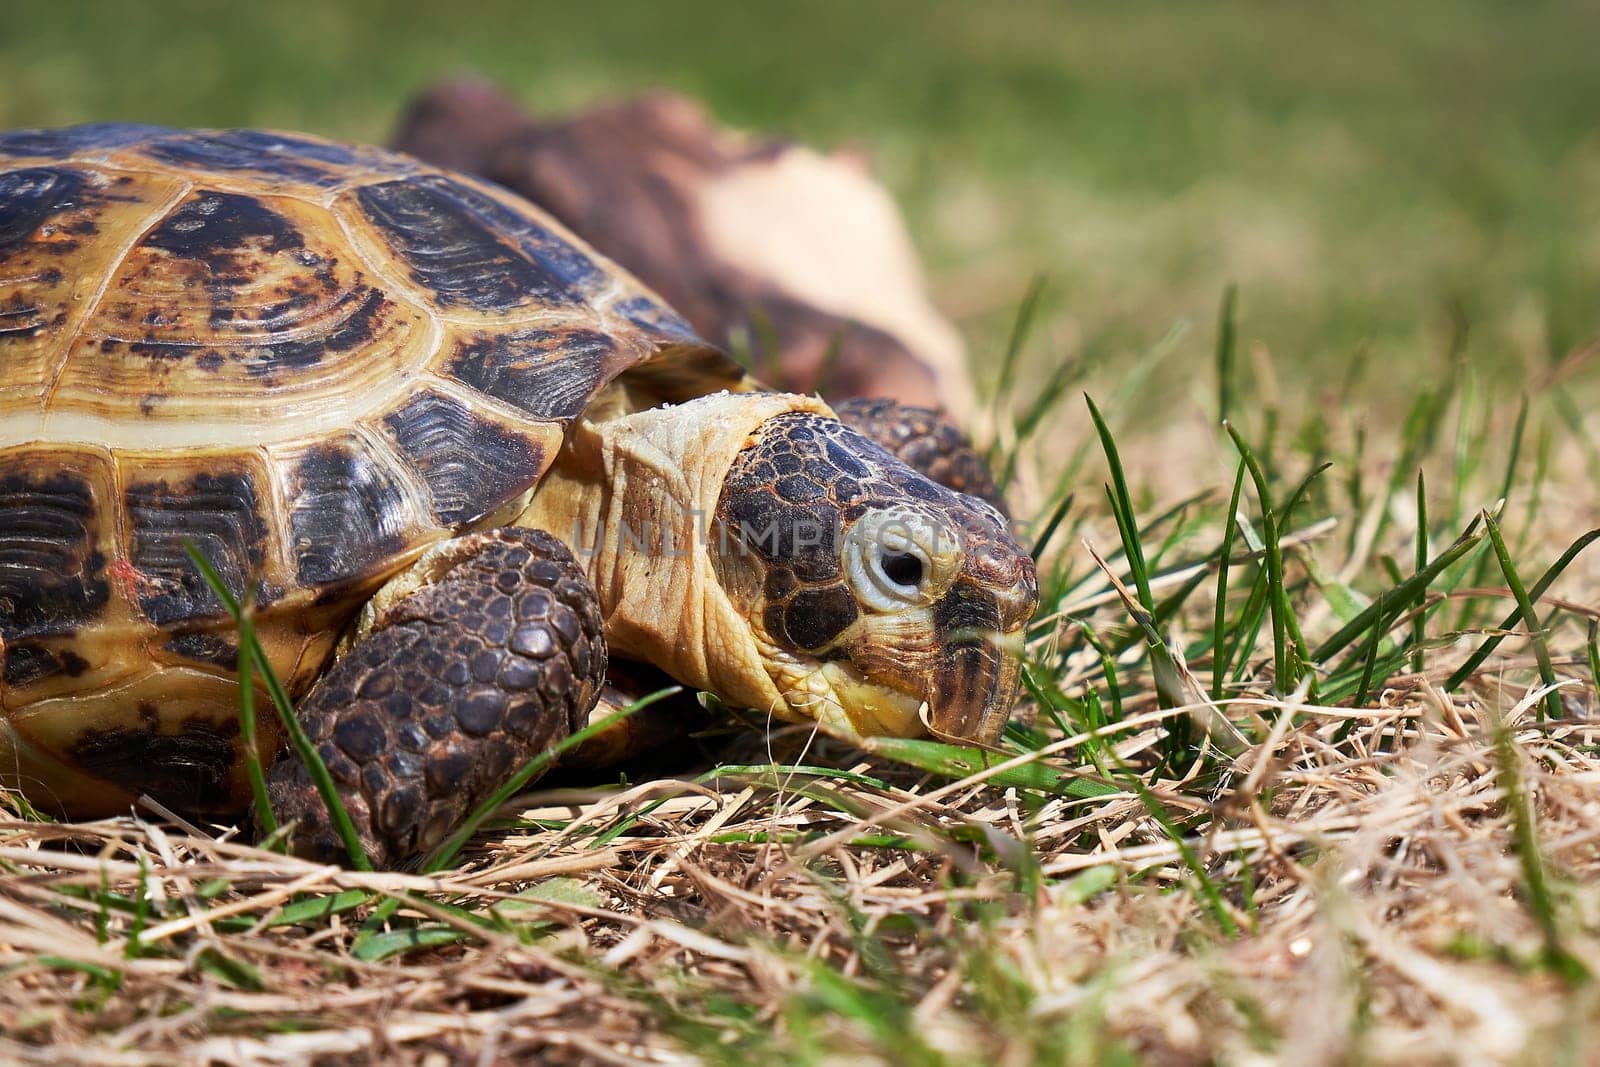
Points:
(965, 699)
(974, 688)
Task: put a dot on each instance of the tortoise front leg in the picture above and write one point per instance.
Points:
(926, 441)
(496, 658)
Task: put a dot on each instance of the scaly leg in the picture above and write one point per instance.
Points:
(925, 441)
(495, 659)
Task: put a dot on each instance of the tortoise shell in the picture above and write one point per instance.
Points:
(311, 360)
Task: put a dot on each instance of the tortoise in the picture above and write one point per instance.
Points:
(456, 459)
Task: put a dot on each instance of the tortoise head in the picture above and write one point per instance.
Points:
(869, 589)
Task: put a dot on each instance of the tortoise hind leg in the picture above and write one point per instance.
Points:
(926, 441)
(495, 659)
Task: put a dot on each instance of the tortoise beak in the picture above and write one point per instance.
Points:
(974, 689)
(979, 672)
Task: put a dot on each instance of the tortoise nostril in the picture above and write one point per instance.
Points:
(902, 568)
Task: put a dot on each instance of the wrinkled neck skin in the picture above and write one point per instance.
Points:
(633, 497)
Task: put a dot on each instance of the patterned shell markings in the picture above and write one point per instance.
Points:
(311, 359)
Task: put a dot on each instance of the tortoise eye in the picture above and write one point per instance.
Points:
(902, 568)
(898, 558)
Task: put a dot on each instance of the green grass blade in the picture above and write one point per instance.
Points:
(397, 942)
(1418, 629)
(265, 820)
(1546, 579)
(1230, 530)
(1530, 618)
(1469, 610)
(105, 976)
(1168, 679)
(1051, 525)
(1301, 491)
(830, 360)
(298, 740)
(1028, 423)
(1404, 593)
(1370, 661)
(313, 909)
(1046, 702)
(1247, 628)
(1021, 328)
(1535, 881)
(1225, 352)
(1168, 609)
(1210, 896)
(213, 579)
(1592, 646)
(1122, 508)
(1471, 440)
(247, 694)
(768, 774)
(134, 943)
(958, 761)
(764, 345)
(1518, 430)
(1108, 667)
(1291, 659)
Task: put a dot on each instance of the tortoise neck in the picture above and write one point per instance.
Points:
(633, 497)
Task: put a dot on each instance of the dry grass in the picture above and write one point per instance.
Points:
(1386, 921)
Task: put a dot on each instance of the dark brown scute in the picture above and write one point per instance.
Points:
(221, 514)
(213, 228)
(466, 248)
(631, 179)
(804, 539)
(790, 493)
(348, 513)
(351, 325)
(658, 320)
(823, 466)
(31, 197)
(969, 672)
(187, 770)
(216, 650)
(779, 582)
(19, 318)
(26, 663)
(966, 615)
(367, 310)
(69, 140)
(270, 154)
(471, 465)
(549, 374)
(52, 576)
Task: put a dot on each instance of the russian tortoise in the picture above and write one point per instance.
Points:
(423, 424)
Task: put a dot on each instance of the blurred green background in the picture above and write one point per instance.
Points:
(1364, 171)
